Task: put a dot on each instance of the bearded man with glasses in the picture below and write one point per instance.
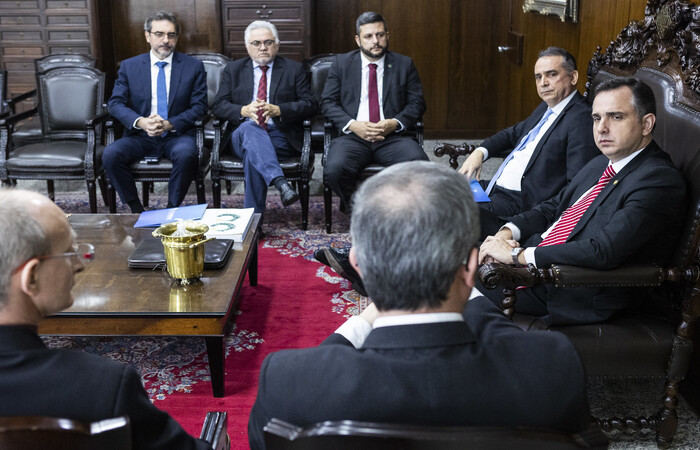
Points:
(158, 118)
(38, 260)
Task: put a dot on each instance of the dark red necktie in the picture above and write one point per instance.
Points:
(573, 213)
(372, 94)
(262, 95)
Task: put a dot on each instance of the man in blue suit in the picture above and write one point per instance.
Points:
(268, 97)
(157, 97)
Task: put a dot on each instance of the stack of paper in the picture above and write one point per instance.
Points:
(228, 223)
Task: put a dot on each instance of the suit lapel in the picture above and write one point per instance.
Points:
(175, 77)
(610, 187)
(274, 80)
(388, 78)
(145, 76)
(248, 80)
(355, 74)
(551, 129)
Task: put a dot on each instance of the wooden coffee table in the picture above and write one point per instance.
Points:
(113, 300)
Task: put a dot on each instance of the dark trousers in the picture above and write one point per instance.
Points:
(260, 151)
(494, 214)
(349, 155)
(181, 150)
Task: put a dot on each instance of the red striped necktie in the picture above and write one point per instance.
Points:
(373, 94)
(573, 213)
(262, 95)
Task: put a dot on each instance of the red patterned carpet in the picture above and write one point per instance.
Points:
(297, 303)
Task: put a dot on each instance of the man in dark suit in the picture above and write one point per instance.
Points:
(268, 97)
(372, 96)
(624, 206)
(416, 355)
(158, 96)
(543, 152)
(38, 260)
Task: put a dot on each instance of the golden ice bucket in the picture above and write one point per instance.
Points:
(184, 254)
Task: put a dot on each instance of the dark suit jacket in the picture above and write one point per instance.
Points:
(636, 218)
(37, 381)
(289, 89)
(483, 372)
(402, 90)
(561, 153)
(187, 97)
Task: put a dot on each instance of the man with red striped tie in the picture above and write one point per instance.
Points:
(625, 205)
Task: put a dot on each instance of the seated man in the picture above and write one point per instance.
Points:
(158, 121)
(416, 355)
(543, 152)
(269, 114)
(625, 206)
(38, 259)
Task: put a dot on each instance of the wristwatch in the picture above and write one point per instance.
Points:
(514, 254)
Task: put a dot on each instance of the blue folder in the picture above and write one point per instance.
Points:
(157, 217)
(478, 192)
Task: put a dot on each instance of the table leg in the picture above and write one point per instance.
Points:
(215, 352)
(253, 268)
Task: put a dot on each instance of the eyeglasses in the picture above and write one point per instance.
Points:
(257, 44)
(83, 253)
(160, 34)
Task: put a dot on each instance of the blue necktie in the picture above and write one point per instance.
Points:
(523, 143)
(161, 92)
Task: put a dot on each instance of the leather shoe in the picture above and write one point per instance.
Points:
(320, 256)
(340, 262)
(288, 194)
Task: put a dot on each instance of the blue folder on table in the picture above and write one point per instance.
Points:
(478, 192)
(157, 217)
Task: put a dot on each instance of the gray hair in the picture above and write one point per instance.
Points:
(162, 15)
(21, 234)
(261, 24)
(412, 226)
(569, 63)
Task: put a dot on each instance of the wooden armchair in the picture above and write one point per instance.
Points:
(353, 435)
(654, 341)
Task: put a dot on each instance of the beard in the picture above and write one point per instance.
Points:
(369, 54)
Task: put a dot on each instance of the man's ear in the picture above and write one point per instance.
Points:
(352, 256)
(648, 122)
(28, 279)
(357, 40)
(471, 267)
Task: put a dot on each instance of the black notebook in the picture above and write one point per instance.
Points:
(150, 254)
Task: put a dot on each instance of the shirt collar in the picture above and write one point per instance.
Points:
(416, 319)
(559, 107)
(366, 62)
(154, 59)
(619, 165)
(269, 65)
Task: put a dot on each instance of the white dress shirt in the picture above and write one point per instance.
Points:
(257, 75)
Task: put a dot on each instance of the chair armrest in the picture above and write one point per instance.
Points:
(306, 147)
(327, 136)
(454, 151)
(12, 102)
(214, 430)
(98, 119)
(420, 128)
(13, 119)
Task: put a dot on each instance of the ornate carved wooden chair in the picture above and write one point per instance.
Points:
(71, 111)
(353, 435)
(655, 341)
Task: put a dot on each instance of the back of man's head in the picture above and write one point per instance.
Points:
(412, 226)
(21, 235)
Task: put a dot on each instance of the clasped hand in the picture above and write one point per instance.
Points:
(497, 249)
(373, 132)
(268, 110)
(154, 125)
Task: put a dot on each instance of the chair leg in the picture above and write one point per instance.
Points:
(201, 193)
(228, 187)
(667, 417)
(146, 185)
(328, 205)
(111, 198)
(50, 188)
(103, 189)
(304, 198)
(216, 192)
(92, 195)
